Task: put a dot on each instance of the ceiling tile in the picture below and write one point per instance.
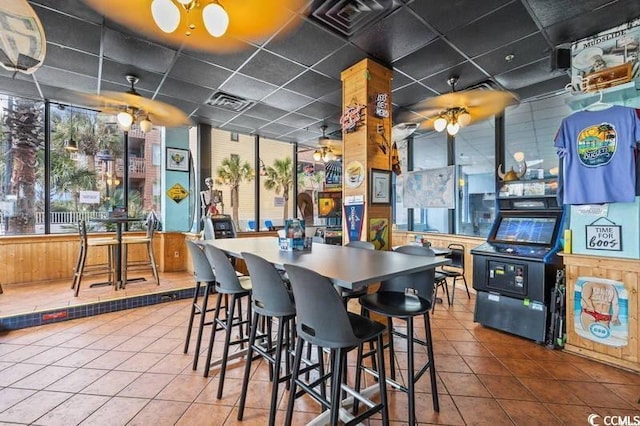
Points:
(236, 128)
(184, 106)
(494, 30)
(265, 112)
(550, 12)
(60, 78)
(67, 31)
(313, 84)
(271, 68)
(548, 86)
(527, 50)
(307, 44)
(194, 71)
(334, 98)
(116, 72)
(287, 100)
(303, 136)
(71, 7)
(410, 94)
(231, 60)
(319, 110)
(19, 87)
(214, 113)
(467, 73)
(428, 60)
(277, 129)
(71, 60)
(248, 122)
(394, 37)
(445, 16)
(297, 120)
(527, 75)
(399, 80)
(340, 61)
(247, 87)
(128, 49)
(185, 91)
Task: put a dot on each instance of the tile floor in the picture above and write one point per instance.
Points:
(128, 367)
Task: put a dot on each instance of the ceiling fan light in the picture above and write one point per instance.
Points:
(329, 156)
(184, 1)
(216, 19)
(453, 128)
(145, 125)
(125, 120)
(464, 119)
(440, 124)
(518, 156)
(165, 14)
(317, 155)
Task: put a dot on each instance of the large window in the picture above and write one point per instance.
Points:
(86, 180)
(276, 174)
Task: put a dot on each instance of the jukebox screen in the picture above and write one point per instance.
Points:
(534, 230)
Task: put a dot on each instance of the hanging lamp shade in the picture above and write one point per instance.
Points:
(23, 44)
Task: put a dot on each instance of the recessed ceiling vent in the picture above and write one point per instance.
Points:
(230, 102)
(347, 17)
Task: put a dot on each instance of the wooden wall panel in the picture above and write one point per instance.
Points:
(623, 270)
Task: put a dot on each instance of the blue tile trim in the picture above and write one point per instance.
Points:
(63, 314)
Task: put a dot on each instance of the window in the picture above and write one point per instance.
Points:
(234, 136)
(276, 183)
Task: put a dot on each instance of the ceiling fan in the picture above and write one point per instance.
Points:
(324, 151)
(454, 110)
(209, 25)
(131, 107)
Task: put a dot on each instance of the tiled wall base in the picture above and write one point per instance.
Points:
(33, 319)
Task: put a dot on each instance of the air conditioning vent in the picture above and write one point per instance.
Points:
(347, 17)
(229, 102)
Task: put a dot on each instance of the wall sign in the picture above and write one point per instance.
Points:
(603, 236)
(381, 105)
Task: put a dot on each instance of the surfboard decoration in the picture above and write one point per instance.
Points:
(22, 40)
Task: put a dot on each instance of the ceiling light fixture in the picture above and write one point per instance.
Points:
(166, 15)
(452, 119)
(132, 114)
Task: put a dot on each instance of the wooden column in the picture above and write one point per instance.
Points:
(361, 85)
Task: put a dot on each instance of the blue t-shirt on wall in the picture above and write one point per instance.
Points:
(599, 152)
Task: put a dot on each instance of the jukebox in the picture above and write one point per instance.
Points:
(514, 271)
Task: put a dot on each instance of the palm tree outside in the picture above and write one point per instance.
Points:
(279, 178)
(232, 172)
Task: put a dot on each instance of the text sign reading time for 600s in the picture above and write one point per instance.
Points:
(603, 237)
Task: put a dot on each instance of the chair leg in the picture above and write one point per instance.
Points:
(80, 271)
(191, 316)
(411, 373)
(336, 381)
(445, 283)
(247, 366)
(294, 380)
(382, 380)
(152, 258)
(276, 379)
(392, 367)
(432, 366)
(214, 327)
(464, 279)
(203, 314)
(227, 340)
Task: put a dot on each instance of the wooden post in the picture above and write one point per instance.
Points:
(366, 88)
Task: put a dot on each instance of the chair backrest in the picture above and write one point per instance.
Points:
(317, 240)
(421, 282)
(151, 225)
(368, 245)
(268, 224)
(456, 255)
(208, 229)
(82, 231)
(202, 270)
(225, 273)
(251, 225)
(321, 315)
(269, 294)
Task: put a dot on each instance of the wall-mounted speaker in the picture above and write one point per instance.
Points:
(560, 59)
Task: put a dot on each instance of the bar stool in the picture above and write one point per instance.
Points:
(355, 294)
(150, 261)
(405, 297)
(203, 274)
(270, 299)
(323, 321)
(455, 269)
(82, 269)
(237, 288)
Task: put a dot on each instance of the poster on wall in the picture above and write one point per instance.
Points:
(433, 188)
(354, 213)
(601, 311)
(379, 232)
(606, 59)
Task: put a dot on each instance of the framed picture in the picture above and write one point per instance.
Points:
(380, 187)
(178, 159)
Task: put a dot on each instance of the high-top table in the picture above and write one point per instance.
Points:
(118, 222)
(346, 267)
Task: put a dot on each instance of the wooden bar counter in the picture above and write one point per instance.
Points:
(626, 271)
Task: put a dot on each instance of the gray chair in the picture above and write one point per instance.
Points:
(270, 299)
(455, 269)
(228, 283)
(323, 321)
(406, 297)
(81, 268)
(203, 274)
(355, 294)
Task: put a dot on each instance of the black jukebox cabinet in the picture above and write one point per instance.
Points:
(514, 271)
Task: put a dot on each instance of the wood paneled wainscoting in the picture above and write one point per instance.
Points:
(443, 240)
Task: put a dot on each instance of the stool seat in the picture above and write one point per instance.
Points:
(395, 304)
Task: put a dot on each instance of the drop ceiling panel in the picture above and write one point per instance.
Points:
(247, 87)
(313, 84)
(410, 94)
(297, 120)
(189, 69)
(429, 60)
(287, 100)
(339, 61)
(278, 129)
(60, 78)
(307, 44)
(467, 73)
(525, 51)
(128, 49)
(271, 68)
(72, 60)
(67, 31)
(231, 60)
(186, 91)
(248, 122)
(445, 16)
(116, 72)
(319, 110)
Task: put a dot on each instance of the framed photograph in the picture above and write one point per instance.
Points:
(380, 187)
(178, 159)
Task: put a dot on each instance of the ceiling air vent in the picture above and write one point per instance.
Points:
(229, 102)
(347, 17)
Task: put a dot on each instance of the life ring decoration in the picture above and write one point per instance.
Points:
(352, 118)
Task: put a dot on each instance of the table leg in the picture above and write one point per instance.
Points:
(119, 255)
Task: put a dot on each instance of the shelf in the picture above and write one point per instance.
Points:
(614, 95)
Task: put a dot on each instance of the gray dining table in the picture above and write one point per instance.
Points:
(347, 267)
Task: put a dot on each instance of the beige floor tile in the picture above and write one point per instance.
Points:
(17, 372)
(73, 411)
(115, 412)
(481, 411)
(77, 380)
(185, 388)
(111, 383)
(140, 362)
(43, 378)
(160, 413)
(31, 408)
(148, 385)
(201, 414)
(11, 396)
(528, 413)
